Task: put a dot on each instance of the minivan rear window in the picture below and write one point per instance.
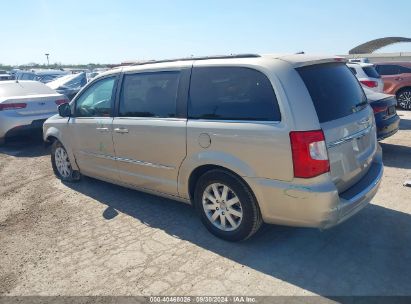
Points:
(334, 90)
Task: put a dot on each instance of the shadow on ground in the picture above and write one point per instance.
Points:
(25, 146)
(368, 255)
(397, 156)
(405, 124)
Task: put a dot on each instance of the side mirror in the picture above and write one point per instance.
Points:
(64, 110)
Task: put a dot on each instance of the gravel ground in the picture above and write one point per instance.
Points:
(94, 238)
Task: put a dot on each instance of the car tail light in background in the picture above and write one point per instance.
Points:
(61, 101)
(379, 109)
(309, 151)
(369, 83)
(12, 106)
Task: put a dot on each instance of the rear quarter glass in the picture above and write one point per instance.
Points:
(371, 72)
(334, 90)
(232, 93)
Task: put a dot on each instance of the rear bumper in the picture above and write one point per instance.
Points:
(12, 124)
(387, 128)
(318, 205)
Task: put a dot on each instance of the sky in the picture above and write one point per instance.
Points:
(101, 31)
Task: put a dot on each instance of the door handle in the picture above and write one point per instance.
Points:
(398, 78)
(102, 129)
(121, 130)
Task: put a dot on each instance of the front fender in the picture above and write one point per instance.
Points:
(51, 132)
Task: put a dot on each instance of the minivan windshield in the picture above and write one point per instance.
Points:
(334, 90)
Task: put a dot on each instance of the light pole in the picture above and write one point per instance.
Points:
(47, 55)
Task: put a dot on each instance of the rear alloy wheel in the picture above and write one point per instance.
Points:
(404, 99)
(61, 163)
(222, 207)
(226, 205)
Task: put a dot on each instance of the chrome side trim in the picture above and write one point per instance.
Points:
(348, 138)
(139, 162)
(127, 160)
(104, 156)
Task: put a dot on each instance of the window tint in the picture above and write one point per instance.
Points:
(96, 100)
(371, 72)
(334, 90)
(45, 78)
(77, 82)
(232, 93)
(388, 69)
(27, 76)
(149, 94)
(404, 70)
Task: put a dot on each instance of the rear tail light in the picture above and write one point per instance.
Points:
(12, 106)
(369, 83)
(310, 157)
(379, 109)
(61, 101)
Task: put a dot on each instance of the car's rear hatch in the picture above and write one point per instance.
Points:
(346, 119)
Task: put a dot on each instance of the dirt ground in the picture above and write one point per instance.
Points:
(93, 238)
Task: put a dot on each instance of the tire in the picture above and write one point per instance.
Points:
(63, 171)
(404, 99)
(219, 213)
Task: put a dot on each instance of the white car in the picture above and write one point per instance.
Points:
(367, 75)
(25, 105)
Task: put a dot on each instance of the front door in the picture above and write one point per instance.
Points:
(149, 138)
(91, 130)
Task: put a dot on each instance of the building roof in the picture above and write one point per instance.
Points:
(376, 44)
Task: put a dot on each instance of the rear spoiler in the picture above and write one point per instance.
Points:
(300, 62)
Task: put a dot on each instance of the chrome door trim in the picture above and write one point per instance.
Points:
(139, 162)
(127, 160)
(348, 138)
(104, 156)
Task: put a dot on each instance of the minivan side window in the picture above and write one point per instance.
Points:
(149, 94)
(96, 101)
(232, 93)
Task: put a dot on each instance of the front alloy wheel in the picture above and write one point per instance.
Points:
(404, 99)
(61, 163)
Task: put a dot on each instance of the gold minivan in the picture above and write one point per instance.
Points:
(245, 139)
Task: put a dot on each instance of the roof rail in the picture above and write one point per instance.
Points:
(198, 58)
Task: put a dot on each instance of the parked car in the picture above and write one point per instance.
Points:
(69, 85)
(6, 76)
(24, 106)
(246, 139)
(363, 60)
(43, 76)
(397, 81)
(386, 118)
(91, 75)
(367, 76)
